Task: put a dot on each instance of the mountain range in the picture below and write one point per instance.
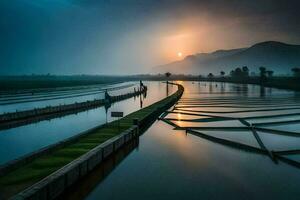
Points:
(277, 56)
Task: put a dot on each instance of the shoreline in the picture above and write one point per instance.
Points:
(55, 165)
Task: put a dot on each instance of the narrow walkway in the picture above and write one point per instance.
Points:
(39, 167)
(15, 119)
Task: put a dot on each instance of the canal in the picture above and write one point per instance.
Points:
(40, 99)
(216, 143)
(17, 142)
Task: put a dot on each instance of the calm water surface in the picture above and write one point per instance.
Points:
(22, 140)
(20, 102)
(173, 164)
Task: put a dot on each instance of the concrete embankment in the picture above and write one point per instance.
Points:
(49, 173)
(9, 120)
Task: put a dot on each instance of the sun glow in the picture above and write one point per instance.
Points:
(179, 116)
(176, 45)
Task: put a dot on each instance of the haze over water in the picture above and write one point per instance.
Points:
(174, 164)
(147, 99)
(132, 36)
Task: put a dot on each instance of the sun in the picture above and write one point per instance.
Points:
(179, 54)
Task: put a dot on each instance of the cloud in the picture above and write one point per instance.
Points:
(124, 36)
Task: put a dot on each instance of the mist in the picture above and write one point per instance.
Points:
(130, 37)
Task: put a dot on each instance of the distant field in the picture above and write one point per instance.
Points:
(42, 82)
(30, 82)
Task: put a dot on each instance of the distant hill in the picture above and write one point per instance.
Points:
(279, 57)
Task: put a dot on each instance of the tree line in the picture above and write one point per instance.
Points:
(244, 72)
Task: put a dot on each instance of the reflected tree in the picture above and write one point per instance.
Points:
(199, 77)
(262, 91)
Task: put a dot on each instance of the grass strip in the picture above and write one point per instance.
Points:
(44, 165)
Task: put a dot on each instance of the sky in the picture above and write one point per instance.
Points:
(132, 36)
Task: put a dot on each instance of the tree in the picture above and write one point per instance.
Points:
(245, 71)
(167, 74)
(270, 73)
(210, 76)
(199, 77)
(222, 73)
(296, 71)
(237, 73)
(232, 73)
(263, 72)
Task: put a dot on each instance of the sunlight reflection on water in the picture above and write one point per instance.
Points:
(174, 164)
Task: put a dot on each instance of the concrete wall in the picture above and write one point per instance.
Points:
(8, 119)
(27, 158)
(55, 184)
(6, 168)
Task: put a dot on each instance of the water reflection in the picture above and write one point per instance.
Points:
(210, 87)
(227, 162)
(106, 106)
(88, 183)
(223, 87)
(173, 165)
(34, 136)
(53, 98)
(141, 101)
(167, 89)
(232, 114)
(262, 91)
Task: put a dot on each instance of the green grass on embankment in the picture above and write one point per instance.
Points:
(44, 165)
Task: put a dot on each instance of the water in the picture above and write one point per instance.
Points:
(174, 164)
(25, 101)
(22, 140)
(169, 164)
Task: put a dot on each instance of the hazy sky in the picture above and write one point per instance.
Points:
(130, 36)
